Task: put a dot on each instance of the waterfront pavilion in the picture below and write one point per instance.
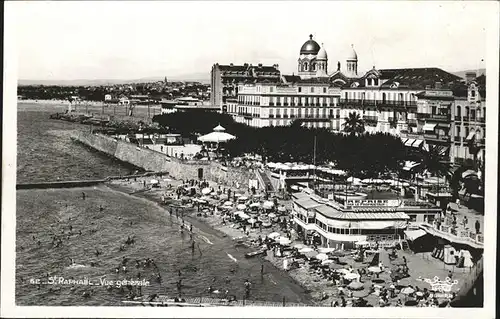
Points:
(217, 139)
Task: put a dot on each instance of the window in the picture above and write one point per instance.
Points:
(312, 90)
(300, 89)
(472, 93)
(324, 90)
(271, 89)
(375, 82)
(459, 110)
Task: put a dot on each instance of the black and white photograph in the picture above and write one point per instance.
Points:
(198, 158)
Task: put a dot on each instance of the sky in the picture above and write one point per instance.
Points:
(71, 40)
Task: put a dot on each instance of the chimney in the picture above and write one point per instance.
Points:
(230, 64)
(260, 65)
(245, 65)
(469, 77)
(276, 66)
(438, 85)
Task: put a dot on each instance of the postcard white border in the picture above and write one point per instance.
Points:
(9, 130)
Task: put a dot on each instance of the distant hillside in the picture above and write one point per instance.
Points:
(193, 77)
(462, 73)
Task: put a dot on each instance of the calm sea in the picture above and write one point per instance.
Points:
(45, 152)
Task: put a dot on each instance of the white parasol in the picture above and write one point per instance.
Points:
(299, 246)
(305, 250)
(351, 276)
(321, 256)
(228, 204)
(268, 204)
(326, 262)
(252, 221)
(326, 250)
(154, 181)
(274, 235)
(272, 215)
(254, 205)
(243, 198)
(206, 191)
(281, 209)
(241, 206)
(407, 291)
(375, 269)
(284, 241)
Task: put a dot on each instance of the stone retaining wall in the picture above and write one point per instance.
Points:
(158, 162)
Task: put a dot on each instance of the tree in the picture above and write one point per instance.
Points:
(436, 163)
(354, 125)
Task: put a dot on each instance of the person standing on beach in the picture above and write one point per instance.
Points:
(83, 195)
(478, 226)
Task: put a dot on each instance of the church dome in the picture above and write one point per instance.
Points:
(310, 47)
(352, 54)
(322, 53)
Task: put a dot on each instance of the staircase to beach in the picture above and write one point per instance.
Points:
(264, 180)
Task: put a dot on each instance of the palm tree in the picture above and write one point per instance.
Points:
(436, 163)
(354, 125)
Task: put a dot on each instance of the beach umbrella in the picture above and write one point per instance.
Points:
(241, 206)
(272, 215)
(281, 209)
(351, 276)
(223, 197)
(274, 235)
(360, 293)
(254, 205)
(355, 285)
(468, 172)
(338, 253)
(299, 246)
(407, 291)
(284, 241)
(237, 195)
(206, 191)
(154, 181)
(335, 266)
(321, 256)
(362, 243)
(243, 198)
(310, 254)
(343, 271)
(252, 221)
(326, 262)
(268, 204)
(326, 250)
(228, 203)
(305, 250)
(374, 269)
(243, 215)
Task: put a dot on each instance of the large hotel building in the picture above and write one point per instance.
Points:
(424, 106)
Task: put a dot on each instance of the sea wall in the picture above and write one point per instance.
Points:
(64, 184)
(158, 162)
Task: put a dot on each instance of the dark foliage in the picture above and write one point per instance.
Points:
(366, 155)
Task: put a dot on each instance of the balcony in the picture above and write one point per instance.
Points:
(271, 103)
(458, 139)
(271, 116)
(440, 117)
(465, 118)
(437, 138)
(278, 104)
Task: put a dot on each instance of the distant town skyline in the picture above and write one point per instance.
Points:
(132, 40)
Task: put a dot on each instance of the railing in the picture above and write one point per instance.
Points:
(458, 118)
(481, 119)
(423, 115)
(458, 139)
(465, 118)
(435, 137)
(440, 117)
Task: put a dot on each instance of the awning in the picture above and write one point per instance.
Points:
(410, 165)
(417, 143)
(409, 142)
(429, 127)
(403, 140)
(470, 136)
(414, 234)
